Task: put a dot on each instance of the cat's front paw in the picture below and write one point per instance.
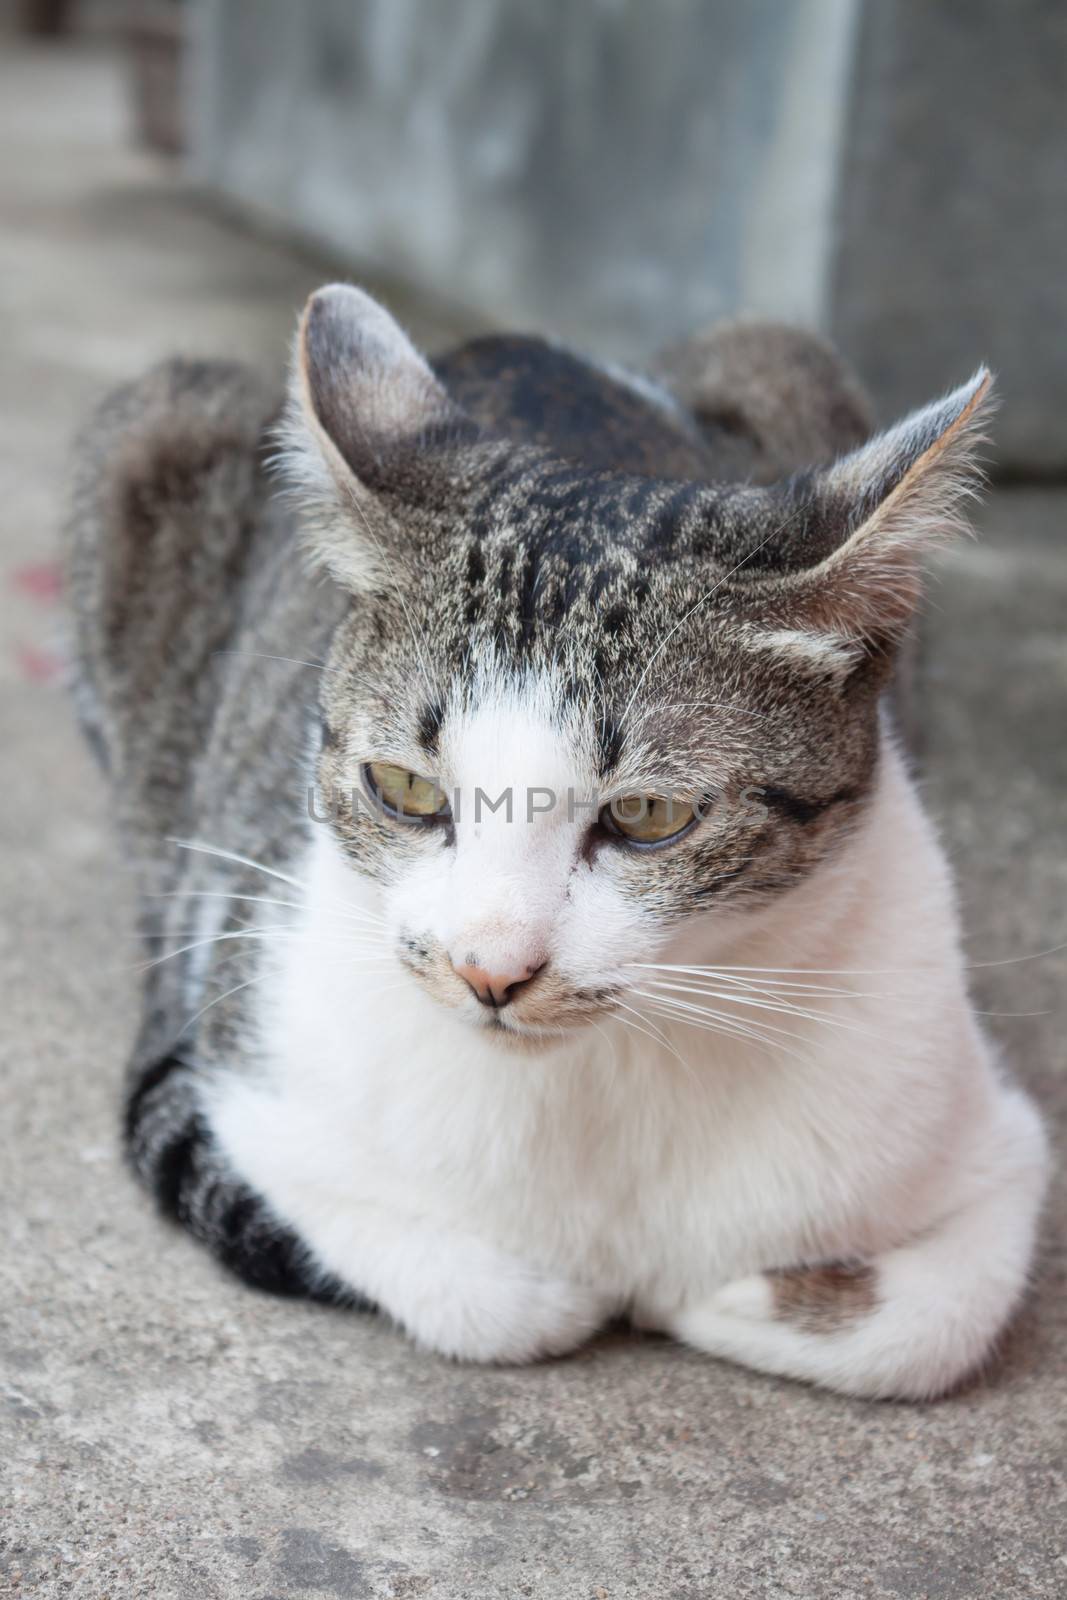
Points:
(489, 1307)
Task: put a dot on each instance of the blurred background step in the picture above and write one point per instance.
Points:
(893, 172)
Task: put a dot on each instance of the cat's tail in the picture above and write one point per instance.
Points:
(769, 399)
(915, 1322)
(173, 1151)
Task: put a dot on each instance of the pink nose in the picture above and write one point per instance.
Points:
(496, 988)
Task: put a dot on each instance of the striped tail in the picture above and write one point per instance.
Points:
(178, 1159)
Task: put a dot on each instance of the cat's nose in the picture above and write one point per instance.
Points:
(499, 985)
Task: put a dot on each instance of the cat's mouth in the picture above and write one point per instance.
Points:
(531, 1022)
(516, 1032)
(512, 1028)
(529, 1038)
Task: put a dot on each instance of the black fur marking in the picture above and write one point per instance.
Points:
(504, 575)
(185, 1170)
(661, 533)
(475, 565)
(475, 584)
(430, 719)
(531, 571)
(635, 501)
(611, 743)
(600, 581)
(175, 1166)
(252, 1245)
(150, 1080)
(802, 811)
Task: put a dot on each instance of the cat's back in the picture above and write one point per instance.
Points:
(182, 571)
(537, 392)
(742, 402)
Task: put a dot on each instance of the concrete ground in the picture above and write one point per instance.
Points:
(167, 1433)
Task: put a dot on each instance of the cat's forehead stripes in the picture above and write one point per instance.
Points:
(530, 591)
(546, 538)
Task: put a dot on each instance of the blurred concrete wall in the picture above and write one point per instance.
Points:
(952, 211)
(617, 171)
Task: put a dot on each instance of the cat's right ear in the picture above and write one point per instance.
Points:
(365, 422)
(883, 507)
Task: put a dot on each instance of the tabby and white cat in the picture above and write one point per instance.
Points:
(614, 967)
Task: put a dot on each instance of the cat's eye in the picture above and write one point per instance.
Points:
(405, 794)
(648, 819)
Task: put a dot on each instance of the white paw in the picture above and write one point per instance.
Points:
(744, 1297)
(745, 1300)
(490, 1307)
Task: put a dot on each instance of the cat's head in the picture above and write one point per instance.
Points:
(570, 715)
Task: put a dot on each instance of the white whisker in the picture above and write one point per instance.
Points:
(785, 1009)
(258, 866)
(215, 938)
(223, 894)
(658, 1036)
(259, 655)
(259, 977)
(727, 975)
(726, 1027)
(891, 972)
(238, 860)
(356, 913)
(754, 1028)
(722, 1027)
(265, 933)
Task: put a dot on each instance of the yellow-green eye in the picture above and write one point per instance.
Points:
(648, 818)
(405, 794)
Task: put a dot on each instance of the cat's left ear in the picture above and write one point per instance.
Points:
(884, 506)
(367, 422)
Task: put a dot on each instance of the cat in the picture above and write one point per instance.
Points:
(541, 923)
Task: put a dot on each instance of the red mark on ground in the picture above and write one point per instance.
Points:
(38, 666)
(39, 579)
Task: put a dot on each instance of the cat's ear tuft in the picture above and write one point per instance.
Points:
(364, 407)
(887, 504)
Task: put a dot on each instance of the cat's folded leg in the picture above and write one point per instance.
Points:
(456, 1294)
(290, 1232)
(910, 1324)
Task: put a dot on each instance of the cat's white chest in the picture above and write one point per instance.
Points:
(653, 1164)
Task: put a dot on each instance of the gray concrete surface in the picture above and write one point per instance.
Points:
(167, 1434)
